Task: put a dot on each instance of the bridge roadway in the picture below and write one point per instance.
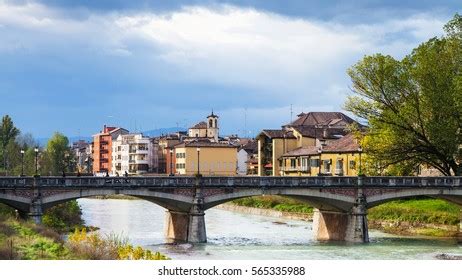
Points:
(341, 203)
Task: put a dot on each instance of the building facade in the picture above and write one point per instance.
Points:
(102, 149)
(279, 149)
(247, 158)
(132, 154)
(207, 158)
(342, 157)
(82, 153)
(206, 129)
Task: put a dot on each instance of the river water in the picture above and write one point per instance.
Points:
(243, 236)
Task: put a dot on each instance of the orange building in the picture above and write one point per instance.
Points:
(102, 148)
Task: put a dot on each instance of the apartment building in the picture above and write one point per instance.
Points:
(102, 148)
(132, 154)
(300, 139)
(341, 157)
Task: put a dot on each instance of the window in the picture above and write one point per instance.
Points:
(327, 165)
(352, 164)
(305, 166)
(314, 162)
(339, 167)
(293, 163)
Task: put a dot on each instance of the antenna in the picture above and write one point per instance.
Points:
(245, 122)
(291, 113)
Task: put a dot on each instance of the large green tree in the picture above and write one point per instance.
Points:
(55, 159)
(414, 105)
(8, 133)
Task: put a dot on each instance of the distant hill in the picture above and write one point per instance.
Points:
(150, 133)
(161, 131)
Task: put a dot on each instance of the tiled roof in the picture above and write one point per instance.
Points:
(200, 125)
(320, 118)
(277, 133)
(302, 151)
(347, 143)
(204, 144)
(251, 146)
(321, 133)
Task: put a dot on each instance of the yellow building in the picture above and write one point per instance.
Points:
(209, 157)
(341, 157)
(279, 150)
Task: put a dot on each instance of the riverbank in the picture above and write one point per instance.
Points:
(428, 217)
(24, 240)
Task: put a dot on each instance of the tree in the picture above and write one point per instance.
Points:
(8, 133)
(413, 106)
(55, 158)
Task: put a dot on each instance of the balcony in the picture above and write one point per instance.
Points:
(305, 169)
(289, 168)
(138, 151)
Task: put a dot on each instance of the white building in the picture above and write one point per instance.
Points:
(246, 154)
(132, 153)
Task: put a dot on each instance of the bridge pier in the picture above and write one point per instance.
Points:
(187, 227)
(176, 226)
(358, 230)
(342, 226)
(36, 212)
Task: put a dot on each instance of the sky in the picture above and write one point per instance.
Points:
(73, 66)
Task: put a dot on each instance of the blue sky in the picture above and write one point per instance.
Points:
(72, 66)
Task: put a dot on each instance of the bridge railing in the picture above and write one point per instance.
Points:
(238, 181)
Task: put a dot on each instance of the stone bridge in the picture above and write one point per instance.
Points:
(341, 202)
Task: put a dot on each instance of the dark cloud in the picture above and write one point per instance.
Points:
(352, 11)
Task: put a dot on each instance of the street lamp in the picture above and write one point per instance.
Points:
(360, 151)
(67, 164)
(320, 161)
(171, 162)
(88, 164)
(36, 150)
(22, 163)
(198, 155)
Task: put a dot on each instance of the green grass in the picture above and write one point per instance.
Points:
(426, 211)
(276, 203)
(27, 241)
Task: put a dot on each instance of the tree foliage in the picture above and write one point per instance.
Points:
(55, 159)
(8, 133)
(414, 105)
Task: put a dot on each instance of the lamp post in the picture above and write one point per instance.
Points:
(360, 171)
(171, 162)
(320, 161)
(198, 161)
(66, 163)
(36, 150)
(88, 164)
(22, 163)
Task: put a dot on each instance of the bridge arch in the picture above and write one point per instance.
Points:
(452, 195)
(169, 201)
(313, 197)
(17, 202)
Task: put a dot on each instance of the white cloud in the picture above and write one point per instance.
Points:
(299, 60)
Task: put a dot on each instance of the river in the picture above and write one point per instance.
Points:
(243, 236)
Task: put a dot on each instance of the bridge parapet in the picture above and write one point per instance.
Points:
(237, 181)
